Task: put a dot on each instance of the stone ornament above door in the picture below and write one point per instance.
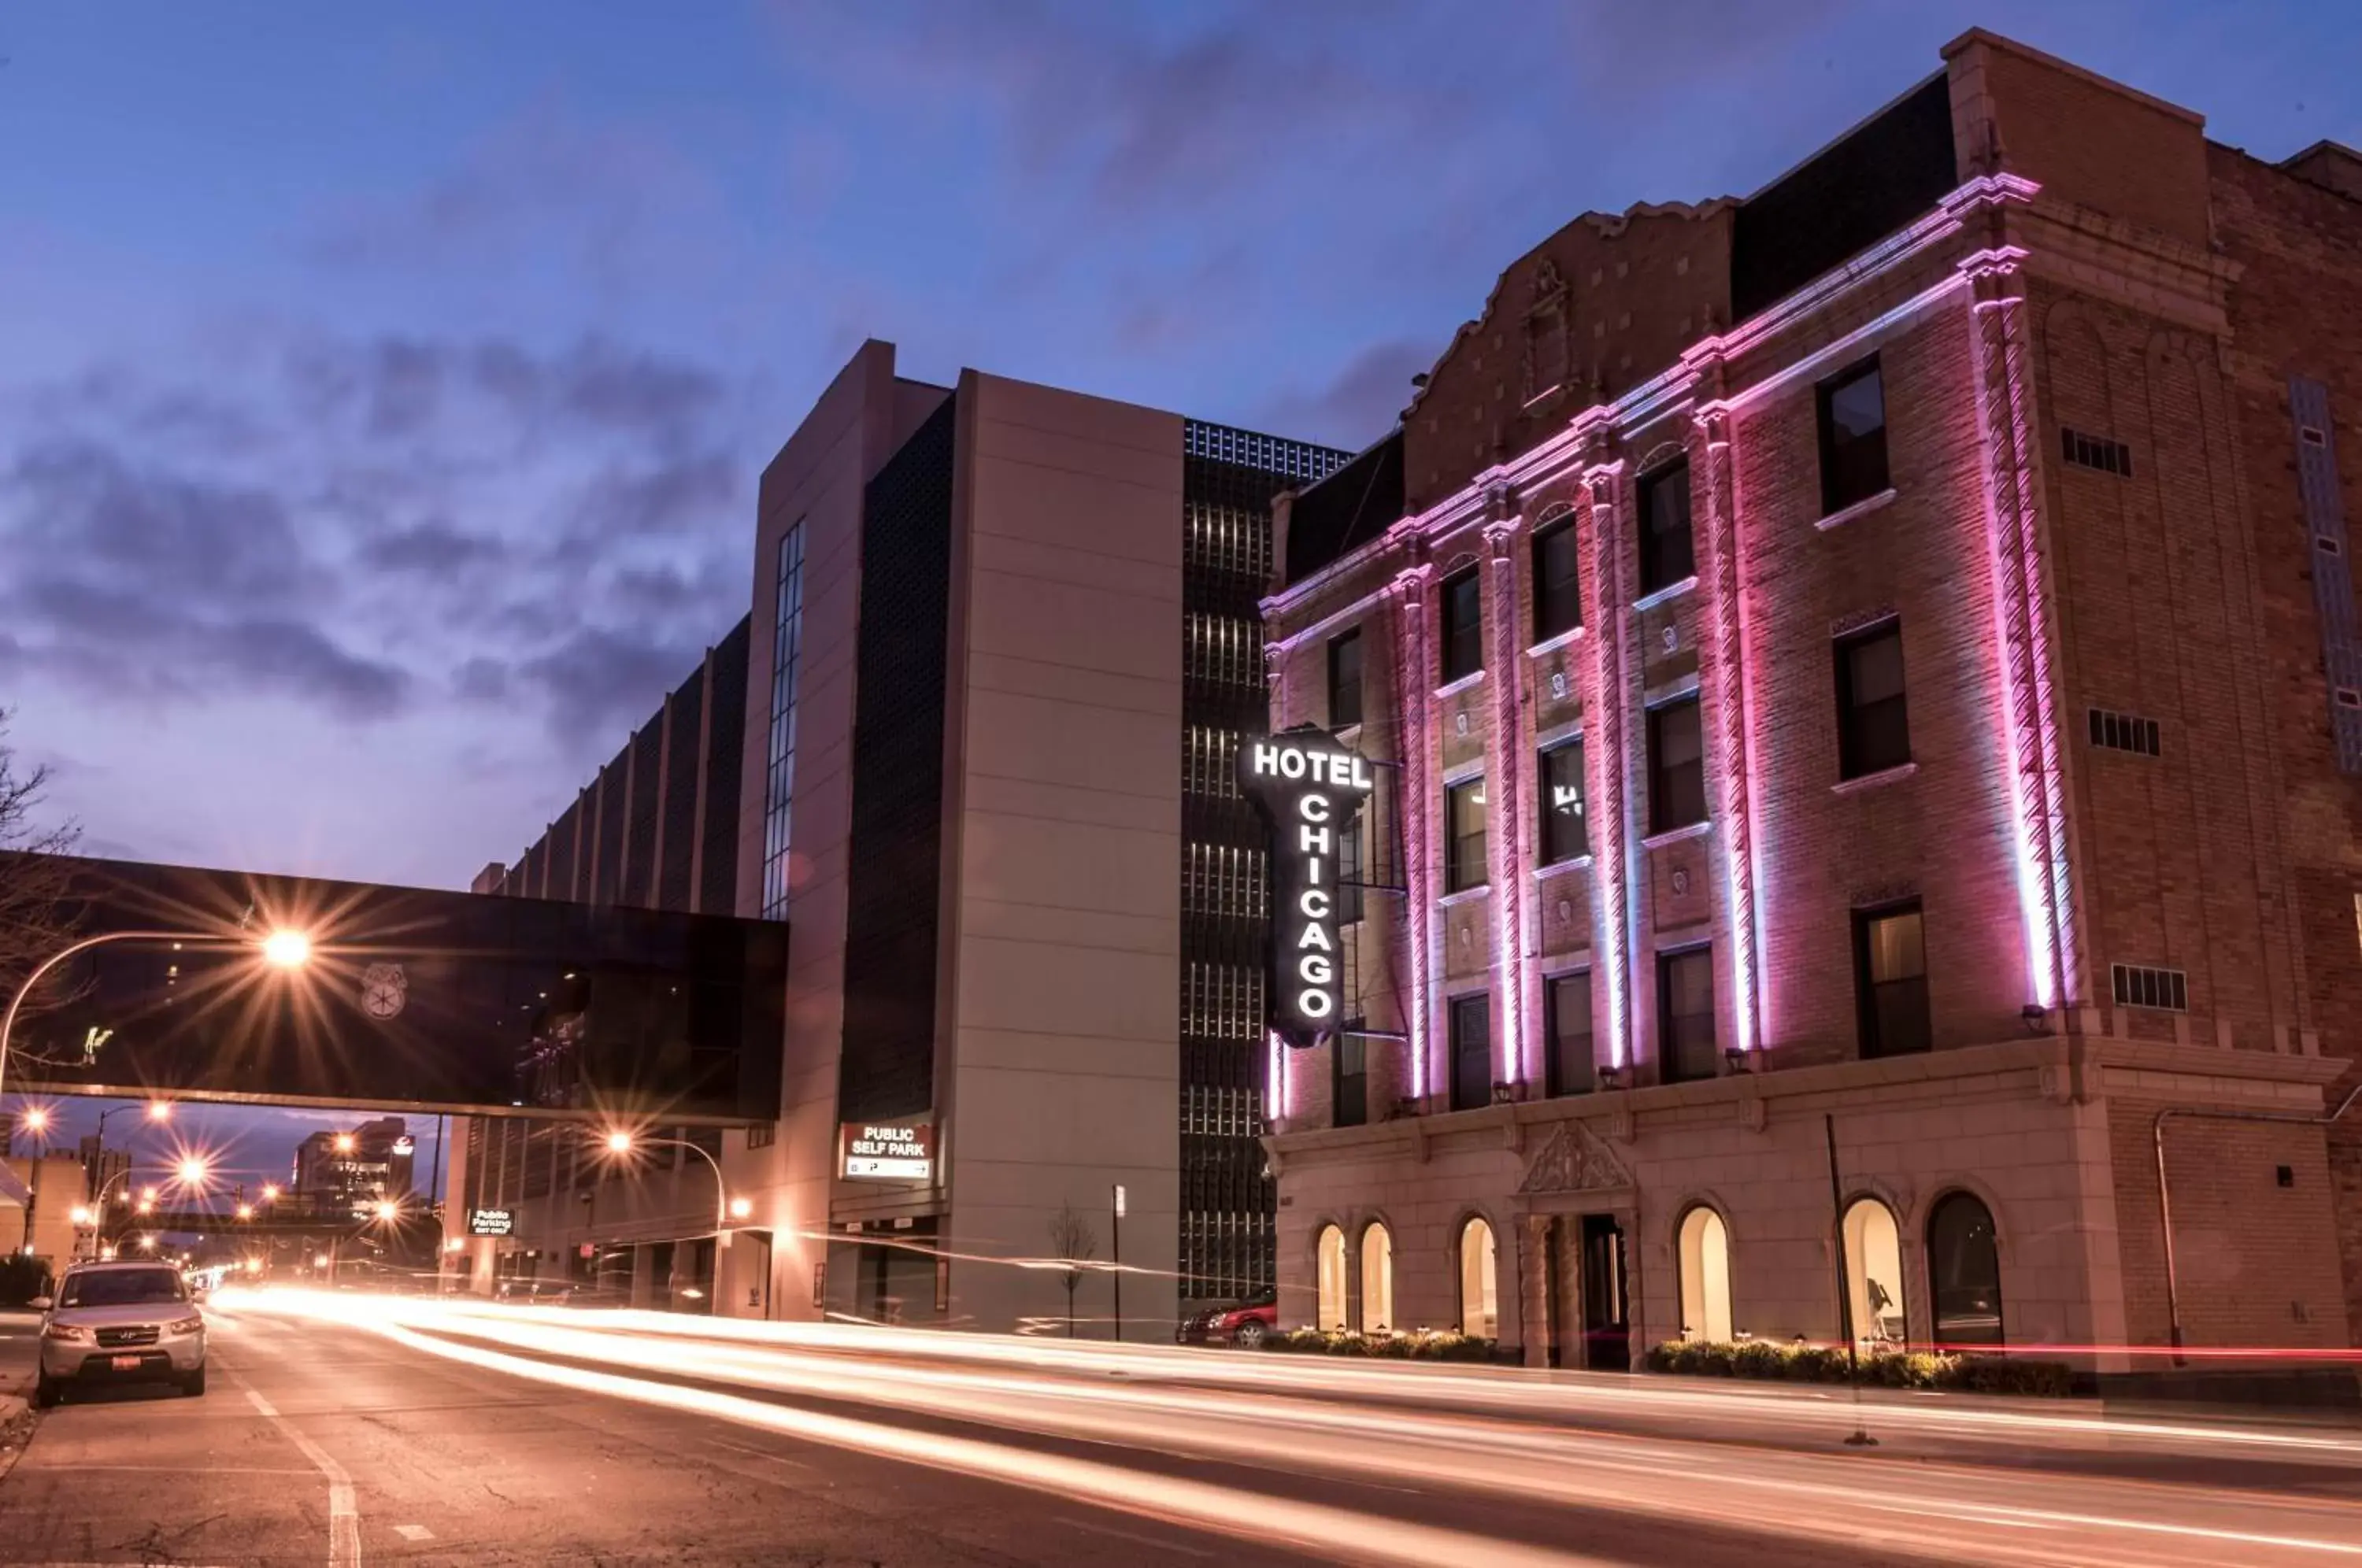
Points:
(1574, 1160)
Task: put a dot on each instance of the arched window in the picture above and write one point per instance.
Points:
(1706, 1275)
(1480, 1305)
(1964, 1272)
(1873, 1257)
(1378, 1280)
(1333, 1278)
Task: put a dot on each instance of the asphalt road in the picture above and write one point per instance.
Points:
(339, 1431)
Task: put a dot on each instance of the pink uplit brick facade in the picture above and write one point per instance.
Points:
(2118, 833)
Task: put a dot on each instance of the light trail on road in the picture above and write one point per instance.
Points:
(1410, 1431)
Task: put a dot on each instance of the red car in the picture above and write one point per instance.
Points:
(1246, 1325)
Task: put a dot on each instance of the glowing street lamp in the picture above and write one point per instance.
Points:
(388, 1210)
(740, 1209)
(81, 1214)
(148, 1243)
(159, 1111)
(287, 949)
(36, 1119)
(191, 1170)
(621, 1141)
(271, 1192)
(346, 1143)
(245, 1210)
(282, 949)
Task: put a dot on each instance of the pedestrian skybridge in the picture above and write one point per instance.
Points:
(399, 999)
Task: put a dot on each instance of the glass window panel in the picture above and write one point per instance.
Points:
(1572, 1070)
(1676, 767)
(1345, 679)
(1666, 555)
(1565, 834)
(1464, 626)
(1465, 808)
(1558, 599)
(1472, 1053)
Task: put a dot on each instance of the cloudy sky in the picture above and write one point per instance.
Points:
(383, 388)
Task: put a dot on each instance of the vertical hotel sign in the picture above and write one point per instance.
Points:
(1308, 789)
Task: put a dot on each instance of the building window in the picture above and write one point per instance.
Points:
(779, 761)
(1666, 556)
(1853, 438)
(1705, 1272)
(1685, 1015)
(2096, 452)
(1471, 1051)
(1558, 594)
(1330, 1269)
(1378, 1280)
(1873, 721)
(1464, 626)
(1964, 1272)
(1566, 836)
(1572, 1067)
(1874, 1260)
(2142, 985)
(1479, 1302)
(1345, 679)
(1891, 976)
(2126, 732)
(1464, 822)
(764, 1136)
(1676, 766)
(1349, 1081)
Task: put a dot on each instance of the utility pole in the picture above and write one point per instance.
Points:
(1115, 1246)
(1860, 1438)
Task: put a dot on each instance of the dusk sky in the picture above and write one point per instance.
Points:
(383, 388)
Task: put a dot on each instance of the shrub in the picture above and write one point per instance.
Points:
(1762, 1358)
(1414, 1344)
(2008, 1375)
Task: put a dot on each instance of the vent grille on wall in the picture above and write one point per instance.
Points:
(2139, 986)
(2124, 731)
(2096, 452)
(2332, 580)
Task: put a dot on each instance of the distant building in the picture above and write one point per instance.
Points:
(350, 1171)
(1004, 645)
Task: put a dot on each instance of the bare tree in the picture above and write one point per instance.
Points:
(33, 880)
(1072, 1238)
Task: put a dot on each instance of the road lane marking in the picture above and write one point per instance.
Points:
(1127, 1535)
(414, 1532)
(344, 1514)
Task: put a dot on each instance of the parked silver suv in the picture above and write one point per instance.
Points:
(120, 1322)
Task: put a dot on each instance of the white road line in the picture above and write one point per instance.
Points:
(1127, 1535)
(344, 1516)
(414, 1532)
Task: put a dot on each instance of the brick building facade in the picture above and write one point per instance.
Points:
(1864, 686)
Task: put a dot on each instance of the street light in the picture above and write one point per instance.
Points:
(81, 1215)
(283, 949)
(271, 1192)
(345, 1143)
(191, 1170)
(245, 1210)
(622, 1141)
(148, 1243)
(388, 1210)
(36, 1119)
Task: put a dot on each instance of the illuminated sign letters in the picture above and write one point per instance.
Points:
(490, 1222)
(1309, 788)
(879, 1151)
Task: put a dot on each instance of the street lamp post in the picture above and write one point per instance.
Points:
(619, 1142)
(283, 949)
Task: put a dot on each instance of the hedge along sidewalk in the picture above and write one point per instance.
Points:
(1408, 1344)
(1942, 1372)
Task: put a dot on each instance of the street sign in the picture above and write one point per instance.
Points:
(490, 1222)
(1118, 1200)
(898, 1151)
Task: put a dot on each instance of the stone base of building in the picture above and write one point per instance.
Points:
(2005, 1194)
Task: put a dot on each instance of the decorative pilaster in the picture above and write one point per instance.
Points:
(1505, 788)
(2005, 421)
(1727, 631)
(1414, 672)
(1604, 715)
